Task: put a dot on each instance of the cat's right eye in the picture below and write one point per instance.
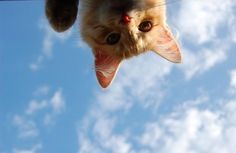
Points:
(145, 26)
(113, 38)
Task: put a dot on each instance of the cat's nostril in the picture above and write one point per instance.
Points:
(125, 19)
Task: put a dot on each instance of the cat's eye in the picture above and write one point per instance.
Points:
(113, 38)
(145, 26)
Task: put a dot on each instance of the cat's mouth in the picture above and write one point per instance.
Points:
(129, 49)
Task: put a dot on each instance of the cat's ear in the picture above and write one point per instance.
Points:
(166, 46)
(106, 67)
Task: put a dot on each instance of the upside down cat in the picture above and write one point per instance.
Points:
(117, 30)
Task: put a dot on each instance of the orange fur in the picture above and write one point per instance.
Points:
(118, 30)
(98, 20)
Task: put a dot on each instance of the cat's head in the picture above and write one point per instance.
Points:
(120, 29)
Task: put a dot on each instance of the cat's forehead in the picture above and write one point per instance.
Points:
(137, 13)
(110, 10)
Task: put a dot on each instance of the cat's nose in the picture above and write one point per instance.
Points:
(125, 18)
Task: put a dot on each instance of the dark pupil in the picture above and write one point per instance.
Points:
(113, 38)
(145, 26)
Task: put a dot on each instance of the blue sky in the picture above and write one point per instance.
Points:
(51, 102)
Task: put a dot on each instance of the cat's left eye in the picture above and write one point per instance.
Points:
(145, 26)
(113, 38)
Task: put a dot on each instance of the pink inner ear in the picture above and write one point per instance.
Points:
(166, 45)
(106, 67)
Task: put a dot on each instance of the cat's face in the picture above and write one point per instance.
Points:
(122, 28)
(119, 29)
(116, 30)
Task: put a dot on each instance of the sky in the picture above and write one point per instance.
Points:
(51, 102)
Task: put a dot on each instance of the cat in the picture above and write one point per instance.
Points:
(120, 29)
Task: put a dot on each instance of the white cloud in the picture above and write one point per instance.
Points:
(37, 64)
(34, 149)
(26, 128)
(201, 25)
(193, 130)
(49, 107)
(35, 106)
(103, 127)
(199, 21)
(86, 146)
(187, 129)
(232, 26)
(50, 37)
(105, 139)
(42, 91)
(57, 101)
(202, 61)
(57, 104)
(233, 82)
(48, 119)
(115, 143)
(233, 79)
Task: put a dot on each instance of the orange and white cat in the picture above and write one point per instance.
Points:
(119, 29)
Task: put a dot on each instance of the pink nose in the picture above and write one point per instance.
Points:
(125, 18)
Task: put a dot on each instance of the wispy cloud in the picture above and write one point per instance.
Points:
(193, 130)
(232, 89)
(233, 78)
(232, 27)
(50, 38)
(197, 63)
(57, 104)
(42, 90)
(29, 124)
(57, 101)
(34, 149)
(26, 128)
(35, 106)
(201, 24)
(200, 21)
